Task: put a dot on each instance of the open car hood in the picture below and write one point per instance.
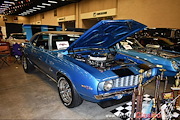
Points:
(106, 33)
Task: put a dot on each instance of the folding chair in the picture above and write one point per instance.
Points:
(17, 52)
(4, 53)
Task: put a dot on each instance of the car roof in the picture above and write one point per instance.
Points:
(17, 34)
(60, 32)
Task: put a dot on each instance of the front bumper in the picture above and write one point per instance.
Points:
(119, 93)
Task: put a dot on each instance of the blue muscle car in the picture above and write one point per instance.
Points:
(84, 66)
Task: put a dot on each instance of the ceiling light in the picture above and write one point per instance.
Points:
(9, 2)
(40, 6)
(46, 4)
(36, 8)
(28, 12)
(32, 10)
(52, 1)
(4, 6)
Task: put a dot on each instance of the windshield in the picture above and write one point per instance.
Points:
(128, 44)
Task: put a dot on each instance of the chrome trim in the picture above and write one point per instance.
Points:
(110, 95)
(45, 74)
(128, 81)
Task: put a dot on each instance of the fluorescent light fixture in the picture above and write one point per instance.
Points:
(52, 1)
(36, 8)
(40, 6)
(24, 13)
(32, 10)
(4, 6)
(46, 4)
(27, 11)
(9, 2)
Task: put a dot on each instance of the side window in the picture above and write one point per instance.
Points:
(41, 41)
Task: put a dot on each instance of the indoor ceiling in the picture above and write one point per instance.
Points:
(31, 7)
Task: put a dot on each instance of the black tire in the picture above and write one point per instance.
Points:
(27, 66)
(68, 95)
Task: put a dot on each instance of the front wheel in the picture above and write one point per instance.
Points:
(68, 95)
(27, 66)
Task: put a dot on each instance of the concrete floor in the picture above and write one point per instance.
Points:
(34, 96)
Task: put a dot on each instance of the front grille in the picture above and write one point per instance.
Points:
(126, 81)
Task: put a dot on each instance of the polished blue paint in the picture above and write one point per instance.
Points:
(106, 33)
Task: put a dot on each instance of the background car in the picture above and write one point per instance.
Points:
(17, 38)
(84, 66)
(166, 38)
(170, 61)
(163, 43)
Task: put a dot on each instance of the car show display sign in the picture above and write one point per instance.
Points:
(66, 18)
(97, 14)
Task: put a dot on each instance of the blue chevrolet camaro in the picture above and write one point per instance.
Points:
(85, 66)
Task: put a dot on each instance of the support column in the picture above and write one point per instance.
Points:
(63, 26)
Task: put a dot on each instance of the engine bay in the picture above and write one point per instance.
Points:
(103, 60)
(159, 52)
(133, 44)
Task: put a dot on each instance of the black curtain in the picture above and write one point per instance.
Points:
(35, 29)
(13, 28)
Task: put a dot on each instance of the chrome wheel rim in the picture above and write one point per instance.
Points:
(65, 91)
(24, 63)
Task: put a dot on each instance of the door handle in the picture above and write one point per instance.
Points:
(40, 58)
(34, 51)
(51, 63)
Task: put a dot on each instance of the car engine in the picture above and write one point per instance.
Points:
(102, 62)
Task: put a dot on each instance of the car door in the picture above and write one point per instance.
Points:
(39, 52)
(57, 42)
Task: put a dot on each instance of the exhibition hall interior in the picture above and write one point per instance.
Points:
(90, 59)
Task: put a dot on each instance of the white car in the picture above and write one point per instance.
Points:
(17, 38)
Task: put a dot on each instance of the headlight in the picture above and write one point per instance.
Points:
(174, 64)
(108, 85)
(149, 73)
